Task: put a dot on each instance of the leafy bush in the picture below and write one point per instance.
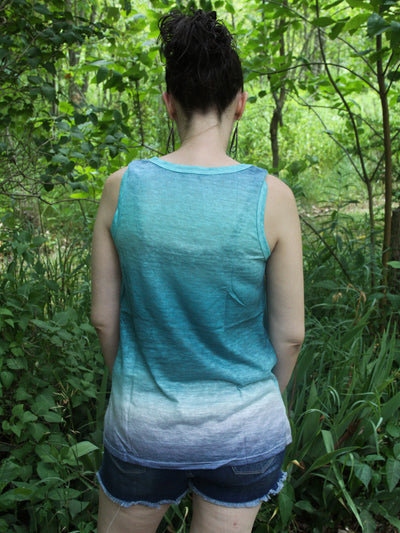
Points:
(50, 408)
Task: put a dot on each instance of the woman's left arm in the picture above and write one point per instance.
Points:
(106, 273)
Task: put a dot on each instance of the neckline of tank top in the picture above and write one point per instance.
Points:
(192, 169)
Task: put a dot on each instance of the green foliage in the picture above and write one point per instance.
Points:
(342, 423)
(49, 406)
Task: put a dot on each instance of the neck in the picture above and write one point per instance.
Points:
(204, 141)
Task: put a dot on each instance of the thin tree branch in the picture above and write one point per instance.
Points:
(318, 63)
(340, 94)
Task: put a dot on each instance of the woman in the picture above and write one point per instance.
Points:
(187, 251)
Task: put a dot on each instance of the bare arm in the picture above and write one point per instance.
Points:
(106, 273)
(285, 290)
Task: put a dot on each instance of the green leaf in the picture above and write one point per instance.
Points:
(49, 92)
(28, 417)
(305, 505)
(82, 448)
(52, 417)
(229, 7)
(376, 25)
(393, 430)
(64, 126)
(396, 450)
(336, 30)
(60, 159)
(128, 8)
(364, 473)
(42, 9)
(392, 473)
(368, 522)
(7, 378)
(37, 431)
(117, 116)
(328, 440)
(394, 34)
(323, 22)
(35, 80)
(76, 506)
(359, 3)
(286, 502)
(8, 471)
(45, 471)
(81, 195)
(102, 74)
(355, 22)
(43, 403)
(393, 521)
(113, 13)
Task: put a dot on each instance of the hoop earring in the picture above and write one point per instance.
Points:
(171, 140)
(233, 148)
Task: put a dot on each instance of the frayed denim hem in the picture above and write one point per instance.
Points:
(272, 492)
(154, 505)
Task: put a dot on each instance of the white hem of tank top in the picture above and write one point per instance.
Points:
(153, 505)
(272, 492)
(198, 466)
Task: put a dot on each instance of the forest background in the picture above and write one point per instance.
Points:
(80, 98)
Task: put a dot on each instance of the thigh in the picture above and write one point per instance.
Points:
(212, 518)
(113, 518)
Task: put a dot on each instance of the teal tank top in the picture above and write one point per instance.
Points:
(192, 384)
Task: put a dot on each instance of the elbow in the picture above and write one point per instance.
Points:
(296, 340)
(96, 320)
(289, 342)
(100, 322)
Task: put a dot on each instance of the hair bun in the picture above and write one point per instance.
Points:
(200, 54)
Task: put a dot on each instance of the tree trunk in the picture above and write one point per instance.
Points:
(276, 119)
(395, 249)
(387, 143)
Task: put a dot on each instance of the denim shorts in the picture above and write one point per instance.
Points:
(232, 486)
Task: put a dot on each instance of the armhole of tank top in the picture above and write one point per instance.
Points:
(115, 220)
(260, 220)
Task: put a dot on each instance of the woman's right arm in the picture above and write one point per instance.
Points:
(106, 273)
(284, 275)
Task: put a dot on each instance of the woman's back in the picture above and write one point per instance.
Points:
(192, 252)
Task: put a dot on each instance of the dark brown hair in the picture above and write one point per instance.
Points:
(203, 69)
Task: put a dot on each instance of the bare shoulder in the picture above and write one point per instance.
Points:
(281, 216)
(278, 189)
(109, 198)
(113, 183)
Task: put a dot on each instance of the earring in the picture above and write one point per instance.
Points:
(233, 148)
(171, 140)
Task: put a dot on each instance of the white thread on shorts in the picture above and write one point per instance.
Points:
(113, 519)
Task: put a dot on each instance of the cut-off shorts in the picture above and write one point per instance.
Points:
(232, 486)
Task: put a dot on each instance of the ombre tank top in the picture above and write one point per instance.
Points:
(192, 384)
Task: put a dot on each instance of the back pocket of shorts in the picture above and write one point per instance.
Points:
(124, 468)
(265, 466)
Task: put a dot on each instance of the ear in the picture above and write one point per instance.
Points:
(241, 104)
(169, 104)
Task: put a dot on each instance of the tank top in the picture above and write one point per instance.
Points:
(192, 383)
